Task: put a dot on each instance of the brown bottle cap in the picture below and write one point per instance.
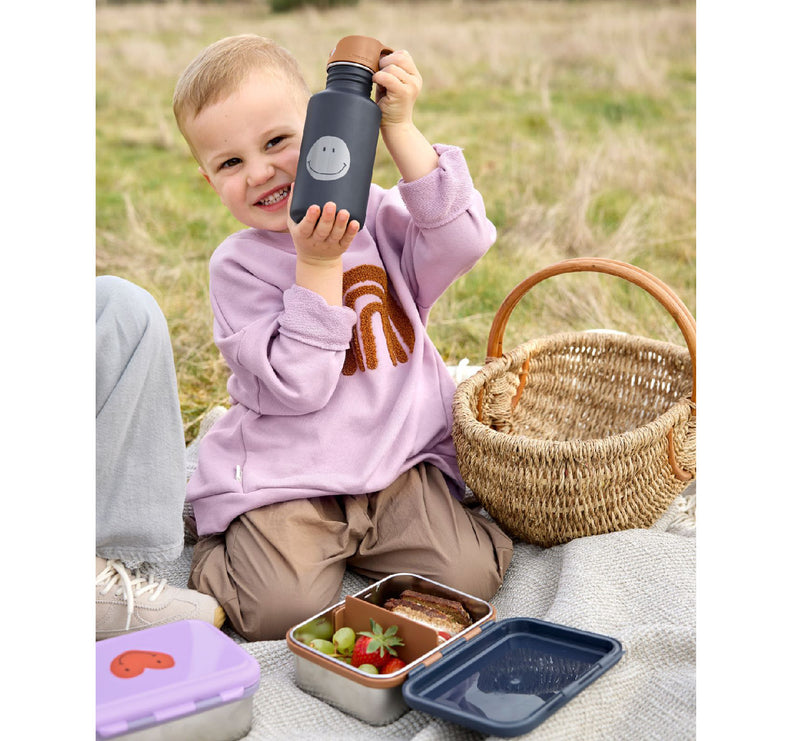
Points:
(361, 50)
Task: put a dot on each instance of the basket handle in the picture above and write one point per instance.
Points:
(654, 286)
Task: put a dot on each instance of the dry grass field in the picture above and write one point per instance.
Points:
(577, 119)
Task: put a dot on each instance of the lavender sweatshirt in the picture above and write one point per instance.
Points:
(338, 400)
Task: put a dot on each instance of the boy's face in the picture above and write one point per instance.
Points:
(248, 145)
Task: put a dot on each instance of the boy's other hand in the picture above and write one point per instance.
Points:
(399, 83)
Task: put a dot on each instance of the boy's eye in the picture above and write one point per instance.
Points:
(233, 161)
(274, 142)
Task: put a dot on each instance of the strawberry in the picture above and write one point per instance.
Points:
(393, 665)
(375, 646)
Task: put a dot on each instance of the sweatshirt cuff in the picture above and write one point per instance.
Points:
(309, 319)
(443, 194)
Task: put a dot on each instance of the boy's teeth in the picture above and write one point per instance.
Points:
(275, 197)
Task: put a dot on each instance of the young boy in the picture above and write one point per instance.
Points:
(336, 450)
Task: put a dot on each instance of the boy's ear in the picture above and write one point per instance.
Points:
(205, 176)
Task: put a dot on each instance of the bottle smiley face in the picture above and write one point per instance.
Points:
(328, 158)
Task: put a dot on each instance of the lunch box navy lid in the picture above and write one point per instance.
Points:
(155, 675)
(510, 676)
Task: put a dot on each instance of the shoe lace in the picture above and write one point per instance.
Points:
(116, 574)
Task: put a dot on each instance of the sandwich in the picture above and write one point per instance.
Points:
(446, 616)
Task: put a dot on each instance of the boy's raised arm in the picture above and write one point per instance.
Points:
(399, 83)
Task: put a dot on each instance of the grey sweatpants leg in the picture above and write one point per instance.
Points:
(140, 450)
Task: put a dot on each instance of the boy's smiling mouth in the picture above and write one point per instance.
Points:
(273, 197)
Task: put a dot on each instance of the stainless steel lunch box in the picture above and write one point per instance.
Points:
(496, 677)
(378, 699)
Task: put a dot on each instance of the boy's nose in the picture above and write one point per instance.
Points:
(259, 172)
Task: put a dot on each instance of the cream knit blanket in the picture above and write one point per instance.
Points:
(636, 585)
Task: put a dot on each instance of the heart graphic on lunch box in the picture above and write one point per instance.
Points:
(132, 663)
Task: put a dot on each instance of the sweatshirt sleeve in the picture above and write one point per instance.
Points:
(285, 348)
(437, 224)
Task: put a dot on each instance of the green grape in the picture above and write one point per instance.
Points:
(369, 668)
(322, 645)
(344, 639)
(320, 627)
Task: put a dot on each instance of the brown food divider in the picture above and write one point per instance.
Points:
(418, 639)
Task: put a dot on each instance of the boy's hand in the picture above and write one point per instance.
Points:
(320, 237)
(399, 83)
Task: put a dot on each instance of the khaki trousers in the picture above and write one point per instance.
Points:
(279, 564)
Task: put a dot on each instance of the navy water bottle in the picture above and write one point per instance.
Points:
(337, 152)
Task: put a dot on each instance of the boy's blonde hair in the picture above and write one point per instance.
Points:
(220, 69)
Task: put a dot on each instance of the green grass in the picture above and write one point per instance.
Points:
(577, 120)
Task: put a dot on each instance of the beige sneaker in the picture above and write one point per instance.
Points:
(129, 601)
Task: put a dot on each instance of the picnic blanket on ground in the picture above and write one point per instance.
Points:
(636, 585)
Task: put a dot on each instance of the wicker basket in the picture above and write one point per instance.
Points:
(579, 433)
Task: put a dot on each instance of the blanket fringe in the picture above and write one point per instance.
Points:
(686, 504)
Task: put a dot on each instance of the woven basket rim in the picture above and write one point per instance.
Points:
(591, 336)
(639, 437)
(642, 435)
(512, 359)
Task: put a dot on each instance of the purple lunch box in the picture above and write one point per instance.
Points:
(183, 680)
